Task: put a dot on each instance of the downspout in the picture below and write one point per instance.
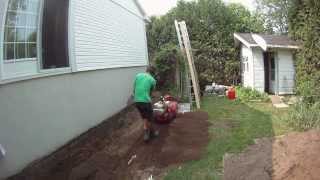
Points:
(71, 37)
(142, 11)
(146, 43)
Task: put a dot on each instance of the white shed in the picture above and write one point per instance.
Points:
(267, 62)
(65, 67)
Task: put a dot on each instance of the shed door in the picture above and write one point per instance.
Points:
(272, 73)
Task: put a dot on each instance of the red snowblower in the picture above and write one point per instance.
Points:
(165, 110)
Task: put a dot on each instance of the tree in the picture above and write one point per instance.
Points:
(211, 25)
(275, 14)
(304, 21)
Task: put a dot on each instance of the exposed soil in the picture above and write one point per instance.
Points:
(105, 157)
(291, 157)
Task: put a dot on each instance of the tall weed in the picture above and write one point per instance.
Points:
(248, 94)
(304, 116)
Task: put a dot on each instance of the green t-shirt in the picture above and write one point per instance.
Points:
(143, 85)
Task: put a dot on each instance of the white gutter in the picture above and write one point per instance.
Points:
(281, 46)
(263, 44)
(142, 11)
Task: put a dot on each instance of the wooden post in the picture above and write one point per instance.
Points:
(182, 49)
(179, 36)
(193, 71)
(178, 78)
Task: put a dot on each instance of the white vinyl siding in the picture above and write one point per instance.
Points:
(258, 67)
(130, 5)
(247, 78)
(286, 72)
(107, 36)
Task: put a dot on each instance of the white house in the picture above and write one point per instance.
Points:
(267, 62)
(65, 66)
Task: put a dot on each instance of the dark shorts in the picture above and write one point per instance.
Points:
(145, 110)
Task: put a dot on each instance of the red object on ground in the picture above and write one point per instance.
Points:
(232, 93)
(170, 110)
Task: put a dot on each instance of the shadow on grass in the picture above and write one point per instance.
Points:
(235, 125)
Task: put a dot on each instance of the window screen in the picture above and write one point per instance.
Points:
(21, 26)
(55, 34)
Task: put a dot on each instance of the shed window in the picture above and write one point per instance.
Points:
(273, 69)
(20, 36)
(245, 64)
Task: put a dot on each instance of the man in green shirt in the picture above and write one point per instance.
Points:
(143, 85)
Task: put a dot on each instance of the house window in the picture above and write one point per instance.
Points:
(55, 34)
(20, 38)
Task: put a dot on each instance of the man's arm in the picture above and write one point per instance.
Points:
(153, 87)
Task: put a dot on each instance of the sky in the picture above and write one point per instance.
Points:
(160, 7)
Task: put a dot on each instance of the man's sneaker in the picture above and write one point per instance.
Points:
(146, 136)
(154, 133)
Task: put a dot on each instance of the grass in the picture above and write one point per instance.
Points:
(235, 125)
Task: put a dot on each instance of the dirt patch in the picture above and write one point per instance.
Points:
(290, 157)
(106, 156)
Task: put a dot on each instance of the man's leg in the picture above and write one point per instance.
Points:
(150, 123)
(147, 130)
(147, 124)
(141, 108)
(146, 112)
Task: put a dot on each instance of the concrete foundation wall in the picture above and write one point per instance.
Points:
(40, 115)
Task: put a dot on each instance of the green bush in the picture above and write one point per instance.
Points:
(249, 94)
(304, 116)
(304, 23)
(211, 37)
(304, 20)
(165, 62)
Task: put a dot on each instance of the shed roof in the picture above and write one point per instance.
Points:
(247, 37)
(266, 40)
(278, 40)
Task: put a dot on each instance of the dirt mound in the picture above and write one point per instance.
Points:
(107, 158)
(290, 157)
(183, 140)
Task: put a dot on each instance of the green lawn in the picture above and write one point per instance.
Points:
(235, 125)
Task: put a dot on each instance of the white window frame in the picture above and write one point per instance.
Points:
(2, 29)
(25, 27)
(40, 72)
(245, 64)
